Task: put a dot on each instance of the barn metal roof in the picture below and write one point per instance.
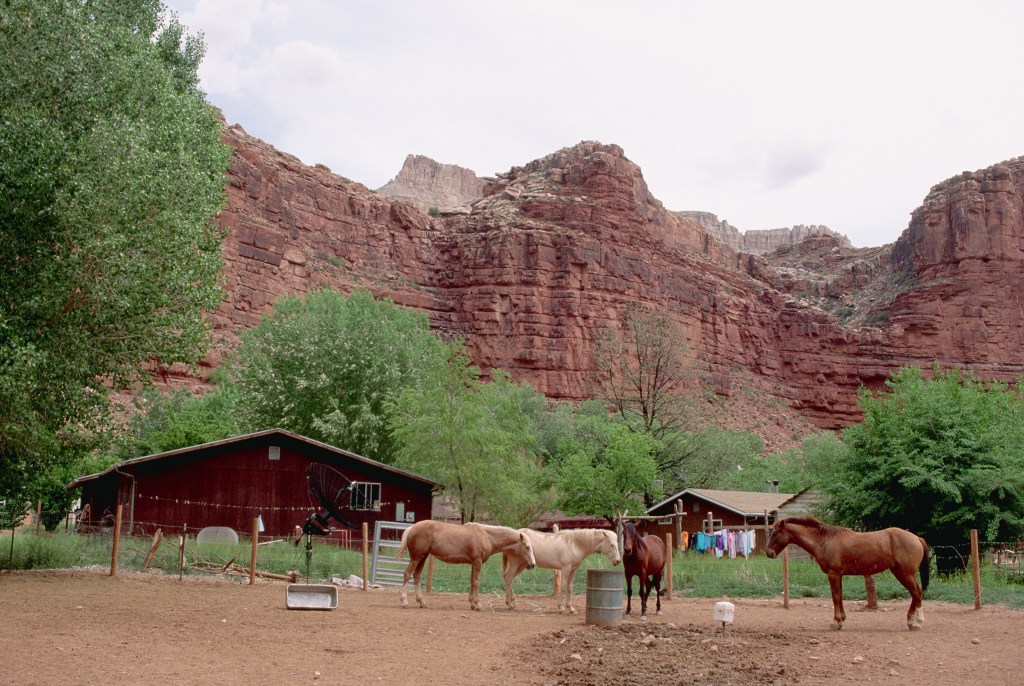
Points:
(746, 503)
(240, 439)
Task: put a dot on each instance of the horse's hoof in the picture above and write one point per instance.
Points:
(572, 610)
(836, 627)
(658, 612)
(643, 618)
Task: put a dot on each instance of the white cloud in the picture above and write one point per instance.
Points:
(798, 112)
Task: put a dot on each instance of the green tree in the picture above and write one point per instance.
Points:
(642, 375)
(111, 170)
(475, 439)
(936, 456)
(168, 421)
(604, 468)
(752, 470)
(328, 366)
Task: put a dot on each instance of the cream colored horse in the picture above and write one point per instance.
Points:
(564, 550)
(457, 544)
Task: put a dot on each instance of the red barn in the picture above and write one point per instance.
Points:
(230, 482)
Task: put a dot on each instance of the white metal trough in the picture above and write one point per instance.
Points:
(311, 596)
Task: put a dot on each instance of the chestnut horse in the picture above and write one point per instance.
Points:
(840, 551)
(457, 544)
(642, 556)
(564, 550)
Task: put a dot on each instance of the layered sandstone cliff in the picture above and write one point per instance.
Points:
(551, 254)
(431, 186)
(760, 241)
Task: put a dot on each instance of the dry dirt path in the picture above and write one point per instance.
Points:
(85, 627)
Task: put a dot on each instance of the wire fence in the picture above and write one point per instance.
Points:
(338, 558)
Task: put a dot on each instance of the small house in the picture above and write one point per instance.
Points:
(708, 511)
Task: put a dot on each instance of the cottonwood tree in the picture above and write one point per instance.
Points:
(329, 365)
(475, 439)
(111, 170)
(165, 421)
(937, 456)
(603, 468)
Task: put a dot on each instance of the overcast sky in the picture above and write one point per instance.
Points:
(768, 114)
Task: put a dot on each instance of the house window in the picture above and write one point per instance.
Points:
(696, 507)
(365, 495)
(275, 452)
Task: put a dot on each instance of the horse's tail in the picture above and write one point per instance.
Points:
(401, 548)
(925, 563)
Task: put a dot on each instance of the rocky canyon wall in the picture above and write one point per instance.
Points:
(548, 257)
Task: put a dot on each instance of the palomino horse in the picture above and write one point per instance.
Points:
(564, 550)
(457, 544)
(840, 551)
(642, 556)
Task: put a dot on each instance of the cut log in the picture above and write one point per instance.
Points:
(157, 537)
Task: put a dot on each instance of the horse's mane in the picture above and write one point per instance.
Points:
(819, 527)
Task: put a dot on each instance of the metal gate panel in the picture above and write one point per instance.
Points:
(385, 568)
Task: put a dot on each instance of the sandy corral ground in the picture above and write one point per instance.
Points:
(85, 627)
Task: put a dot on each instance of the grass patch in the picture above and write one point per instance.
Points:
(695, 576)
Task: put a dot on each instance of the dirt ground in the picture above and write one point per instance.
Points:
(86, 627)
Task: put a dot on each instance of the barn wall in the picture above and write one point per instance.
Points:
(232, 484)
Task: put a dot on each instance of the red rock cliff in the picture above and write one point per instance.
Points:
(549, 258)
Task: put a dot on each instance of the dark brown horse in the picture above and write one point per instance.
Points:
(642, 556)
(841, 552)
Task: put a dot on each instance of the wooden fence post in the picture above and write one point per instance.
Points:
(39, 515)
(785, 577)
(252, 556)
(669, 554)
(677, 510)
(117, 539)
(976, 569)
(871, 592)
(765, 531)
(181, 550)
(366, 554)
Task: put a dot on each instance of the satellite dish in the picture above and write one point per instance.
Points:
(331, 491)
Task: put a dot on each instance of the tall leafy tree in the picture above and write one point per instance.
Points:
(111, 170)
(327, 367)
(938, 456)
(476, 439)
(168, 421)
(603, 468)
